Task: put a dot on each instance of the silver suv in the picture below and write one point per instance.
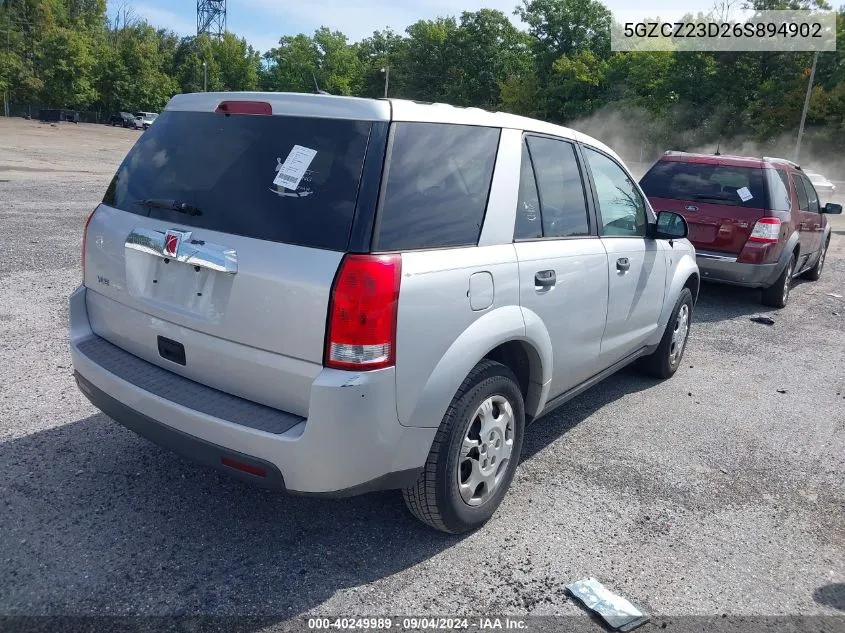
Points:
(332, 295)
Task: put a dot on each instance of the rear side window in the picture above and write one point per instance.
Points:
(239, 173)
(803, 199)
(812, 196)
(779, 197)
(715, 184)
(437, 183)
(529, 224)
(563, 202)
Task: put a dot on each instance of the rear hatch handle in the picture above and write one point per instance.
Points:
(180, 246)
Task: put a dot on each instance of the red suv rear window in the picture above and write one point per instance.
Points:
(717, 184)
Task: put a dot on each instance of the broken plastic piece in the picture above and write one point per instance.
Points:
(618, 612)
(764, 320)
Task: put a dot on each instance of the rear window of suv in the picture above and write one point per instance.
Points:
(240, 172)
(715, 184)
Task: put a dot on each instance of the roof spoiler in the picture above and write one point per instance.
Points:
(782, 161)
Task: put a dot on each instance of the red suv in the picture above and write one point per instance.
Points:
(754, 222)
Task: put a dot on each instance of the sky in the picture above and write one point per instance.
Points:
(263, 22)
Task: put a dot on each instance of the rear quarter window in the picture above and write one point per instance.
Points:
(437, 182)
(226, 166)
(715, 184)
(779, 195)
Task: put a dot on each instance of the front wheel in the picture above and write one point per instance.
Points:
(474, 454)
(665, 360)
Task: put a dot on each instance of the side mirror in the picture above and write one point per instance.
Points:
(832, 208)
(669, 226)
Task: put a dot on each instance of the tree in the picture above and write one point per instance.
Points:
(66, 63)
(238, 62)
(563, 27)
(327, 57)
(383, 50)
(290, 66)
(431, 63)
(486, 48)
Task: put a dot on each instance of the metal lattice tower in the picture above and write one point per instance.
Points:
(211, 17)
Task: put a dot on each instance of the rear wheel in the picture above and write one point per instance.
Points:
(815, 273)
(474, 454)
(777, 295)
(665, 360)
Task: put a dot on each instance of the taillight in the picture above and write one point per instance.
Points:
(766, 230)
(85, 241)
(362, 313)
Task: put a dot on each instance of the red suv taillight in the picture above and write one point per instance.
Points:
(85, 241)
(362, 313)
(766, 230)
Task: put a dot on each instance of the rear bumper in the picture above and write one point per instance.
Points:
(725, 269)
(351, 442)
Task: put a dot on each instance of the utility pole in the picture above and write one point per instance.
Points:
(806, 107)
(204, 77)
(386, 71)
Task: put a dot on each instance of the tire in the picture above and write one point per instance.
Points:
(777, 295)
(665, 360)
(815, 273)
(437, 498)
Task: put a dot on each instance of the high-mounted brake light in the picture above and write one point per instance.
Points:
(766, 231)
(244, 107)
(85, 241)
(362, 313)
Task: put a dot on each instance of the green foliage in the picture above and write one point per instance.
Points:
(485, 49)
(560, 68)
(65, 62)
(326, 57)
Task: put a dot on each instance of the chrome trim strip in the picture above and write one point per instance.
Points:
(716, 256)
(212, 256)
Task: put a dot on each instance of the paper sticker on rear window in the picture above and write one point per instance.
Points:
(291, 172)
(744, 194)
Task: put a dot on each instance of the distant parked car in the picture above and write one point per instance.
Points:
(823, 186)
(123, 119)
(143, 120)
(754, 222)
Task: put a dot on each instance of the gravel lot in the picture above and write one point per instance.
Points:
(707, 494)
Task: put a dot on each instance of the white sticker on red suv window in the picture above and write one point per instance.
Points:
(744, 194)
(290, 173)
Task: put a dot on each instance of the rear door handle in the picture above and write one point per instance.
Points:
(622, 264)
(545, 279)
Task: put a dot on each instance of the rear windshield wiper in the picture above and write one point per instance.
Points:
(170, 205)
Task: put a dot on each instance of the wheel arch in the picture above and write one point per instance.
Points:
(503, 335)
(526, 363)
(685, 275)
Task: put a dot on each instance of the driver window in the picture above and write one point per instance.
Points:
(563, 203)
(621, 205)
